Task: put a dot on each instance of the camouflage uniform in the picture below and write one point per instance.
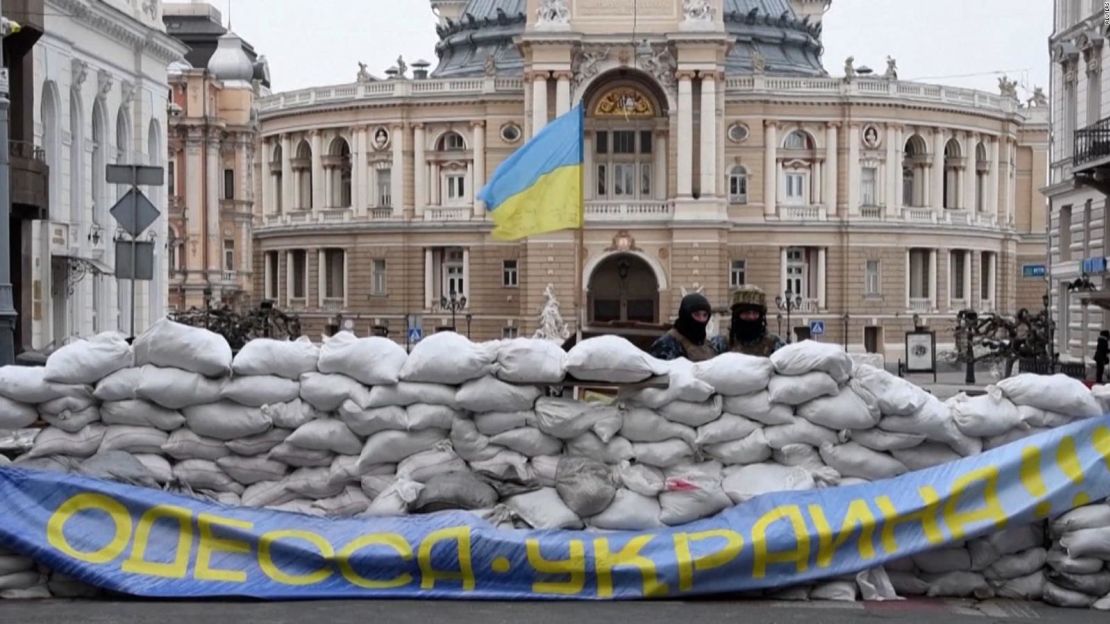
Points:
(752, 298)
(673, 345)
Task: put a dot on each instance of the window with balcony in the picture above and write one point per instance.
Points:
(953, 167)
(797, 271)
(453, 273)
(377, 277)
(229, 254)
(868, 186)
(1064, 234)
(738, 185)
(271, 290)
(623, 164)
(446, 272)
(383, 183)
(298, 274)
(920, 278)
(738, 273)
(795, 187)
(456, 188)
(335, 273)
(229, 184)
(871, 279)
(914, 172)
(509, 276)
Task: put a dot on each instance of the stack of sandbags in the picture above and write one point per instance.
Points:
(1077, 573)
(1041, 402)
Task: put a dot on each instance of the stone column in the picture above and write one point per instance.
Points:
(899, 159)
(782, 273)
(419, 171)
(479, 142)
(937, 194)
(212, 207)
(770, 173)
(831, 170)
(969, 177)
(288, 199)
(539, 102)
(397, 173)
(685, 135)
(893, 171)
(821, 278)
(660, 180)
(967, 294)
(992, 285)
(562, 92)
(319, 200)
(853, 169)
(708, 135)
(1011, 176)
(992, 178)
(359, 186)
(195, 260)
(933, 279)
(429, 279)
(267, 180)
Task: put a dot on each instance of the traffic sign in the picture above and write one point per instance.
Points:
(415, 334)
(143, 259)
(134, 212)
(816, 328)
(135, 175)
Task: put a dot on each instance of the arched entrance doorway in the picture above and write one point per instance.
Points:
(623, 288)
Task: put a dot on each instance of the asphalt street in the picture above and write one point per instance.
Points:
(427, 612)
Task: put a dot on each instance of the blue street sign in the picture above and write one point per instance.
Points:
(1094, 266)
(816, 328)
(1033, 270)
(415, 334)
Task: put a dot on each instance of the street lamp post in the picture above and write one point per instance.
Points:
(788, 304)
(207, 306)
(969, 318)
(454, 304)
(468, 318)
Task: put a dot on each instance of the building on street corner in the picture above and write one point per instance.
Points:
(719, 152)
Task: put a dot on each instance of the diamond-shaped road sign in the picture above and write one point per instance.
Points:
(134, 212)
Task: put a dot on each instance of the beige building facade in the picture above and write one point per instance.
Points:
(719, 152)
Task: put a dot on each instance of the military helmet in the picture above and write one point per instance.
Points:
(749, 296)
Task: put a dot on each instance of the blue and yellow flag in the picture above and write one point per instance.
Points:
(539, 187)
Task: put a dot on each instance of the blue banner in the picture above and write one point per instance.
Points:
(152, 543)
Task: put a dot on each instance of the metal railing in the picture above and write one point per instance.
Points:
(920, 304)
(1092, 143)
(632, 210)
(26, 149)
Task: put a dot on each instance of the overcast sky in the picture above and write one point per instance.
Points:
(957, 42)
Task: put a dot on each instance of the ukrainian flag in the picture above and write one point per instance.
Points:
(539, 187)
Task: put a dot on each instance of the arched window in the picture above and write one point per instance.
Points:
(982, 168)
(738, 185)
(51, 138)
(76, 162)
(953, 165)
(914, 172)
(798, 140)
(276, 181)
(338, 165)
(452, 170)
(798, 161)
(99, 163)
(302, 171)
(451, 142)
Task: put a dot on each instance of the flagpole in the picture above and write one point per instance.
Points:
(579, 234)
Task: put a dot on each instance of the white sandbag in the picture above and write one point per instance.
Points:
(629, 511)
(260, 390)
(845, 410)
(567, 419)
(505, 467)
(52, 463)
(367, 422)
(743, 483)
(471, 445)
(801, 431)
(529, 361)
(1029, 587)
(447, 358)
(258, 444)
(528, 442)
(1011, 436)
(194, 349)
(26, 384)
(373, 361)
(691, 493)
(226, 420)
(175, 389)
(682, 385)
(1038, 418)
(493, 423)
(585, 485)
(133, 439)
(73, 421)
(544, 509)
(349, 502)
(158, 467)
(54, 441)
(735, 374)
(727, 428)
(544, 469)
(395, 499)
(65, 404)
(1062, 562)
(1012, 539)
(10, 564)
(265, 356)
(389, 447)
(327, 392)
(344, 470)
(140, 413)
(121, 385)
(878, 440)
(855, 460)
(409, 393)
(291, 414)
(298, 457)
(313, 483)
(22, 581)
(611, 359)
(490, 394)
(201, 474)
(424, 465)
(117, 465)
(875, 586)
(751, 450)
(926, 455)
(184, 444)
(1017, 565)
(643, 425)
(1059, 597)
(641, 479)
(693, 414)
(1095, 516)
(1097, 584)
(798, 593)
(89, 361)
(1102, 604)
(807, 356)
(1088, 543)
(1057, 393)
(934, 421)
(838, 591)
(759, 408)
(984, 416)
(589, 445)
(795, 390)
(664, 454)
(266, 493)
(807, 457)
(326, 434)
(895, 396)
(251, 470)
(424, 416)
(16, 415)
(959, 584)
(907, 583)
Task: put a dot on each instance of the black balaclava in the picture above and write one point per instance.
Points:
(686, 325)
(748, 331)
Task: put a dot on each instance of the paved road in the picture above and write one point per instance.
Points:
(413, 612)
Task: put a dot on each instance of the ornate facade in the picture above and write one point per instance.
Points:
(719, 152)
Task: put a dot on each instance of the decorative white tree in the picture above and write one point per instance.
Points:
(552, 326)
